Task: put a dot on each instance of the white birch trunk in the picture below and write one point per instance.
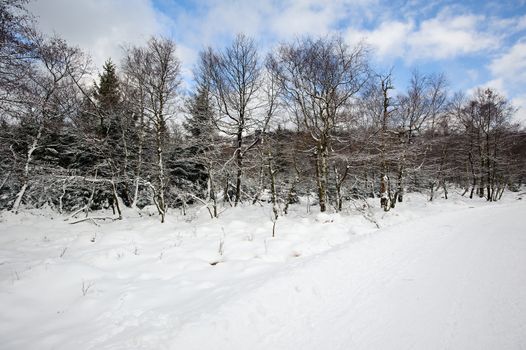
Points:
(30, 151)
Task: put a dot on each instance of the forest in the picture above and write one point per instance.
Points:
(312, 118)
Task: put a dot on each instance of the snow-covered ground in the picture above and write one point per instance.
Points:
(441, 275)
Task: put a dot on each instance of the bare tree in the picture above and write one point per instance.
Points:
(423, 103)
(319, 77)
(386, 199)
(489, 118)
(156, 70)
(134, 95)
(235, 77)
(16, 50)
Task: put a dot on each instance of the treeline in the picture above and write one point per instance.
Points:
(311, 118)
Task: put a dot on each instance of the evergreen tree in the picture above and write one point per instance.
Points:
(107, 95)
(199, 123)
(115, 131)
(193, 159)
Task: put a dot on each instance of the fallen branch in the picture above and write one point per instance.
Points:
(93, 220)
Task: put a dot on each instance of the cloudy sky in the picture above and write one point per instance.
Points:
(475, 43)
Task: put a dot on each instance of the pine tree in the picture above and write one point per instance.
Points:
(194, 159)
(116, 129)
(107, 95)
(199, 123)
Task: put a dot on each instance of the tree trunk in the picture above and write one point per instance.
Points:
(138, 170)
(273, 195)
(239, 165)
(321, 176)
(292, 187)
(384, 193)
(161, 205)
(116, 198)
(211, 191)
(339, 180)
(338, 189)
(30, 151)
(473, 175)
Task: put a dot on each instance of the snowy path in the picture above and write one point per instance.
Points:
(455, 281)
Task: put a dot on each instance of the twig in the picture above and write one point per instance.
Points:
(86, 287)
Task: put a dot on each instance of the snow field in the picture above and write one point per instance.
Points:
(446, 274)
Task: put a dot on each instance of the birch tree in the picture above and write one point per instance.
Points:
(156, 71)
(235, 79)
(319, 77)
(490, 116)
(420, 106)
(45, 101)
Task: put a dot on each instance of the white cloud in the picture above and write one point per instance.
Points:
(511, 66)
(510, 25)
(496, 84)
(510, 70)
(444, 36)
(100, 26)
(187, 56)
(447, 36)
(310, 17)
(388, 40)
(214, 22)
(520, 102)
(225, 19)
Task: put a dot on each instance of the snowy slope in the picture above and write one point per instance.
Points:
(454, 281)
(436, 276)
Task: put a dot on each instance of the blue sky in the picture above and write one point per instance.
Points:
(475, 43)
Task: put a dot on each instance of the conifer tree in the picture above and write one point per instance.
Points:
(115, 131)
(107, 95)
(199, 122)
(200, 154)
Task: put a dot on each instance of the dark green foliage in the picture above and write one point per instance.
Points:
(186, 169)
(107, 90)
(107, 96)
(188, 164)
(199, 123)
